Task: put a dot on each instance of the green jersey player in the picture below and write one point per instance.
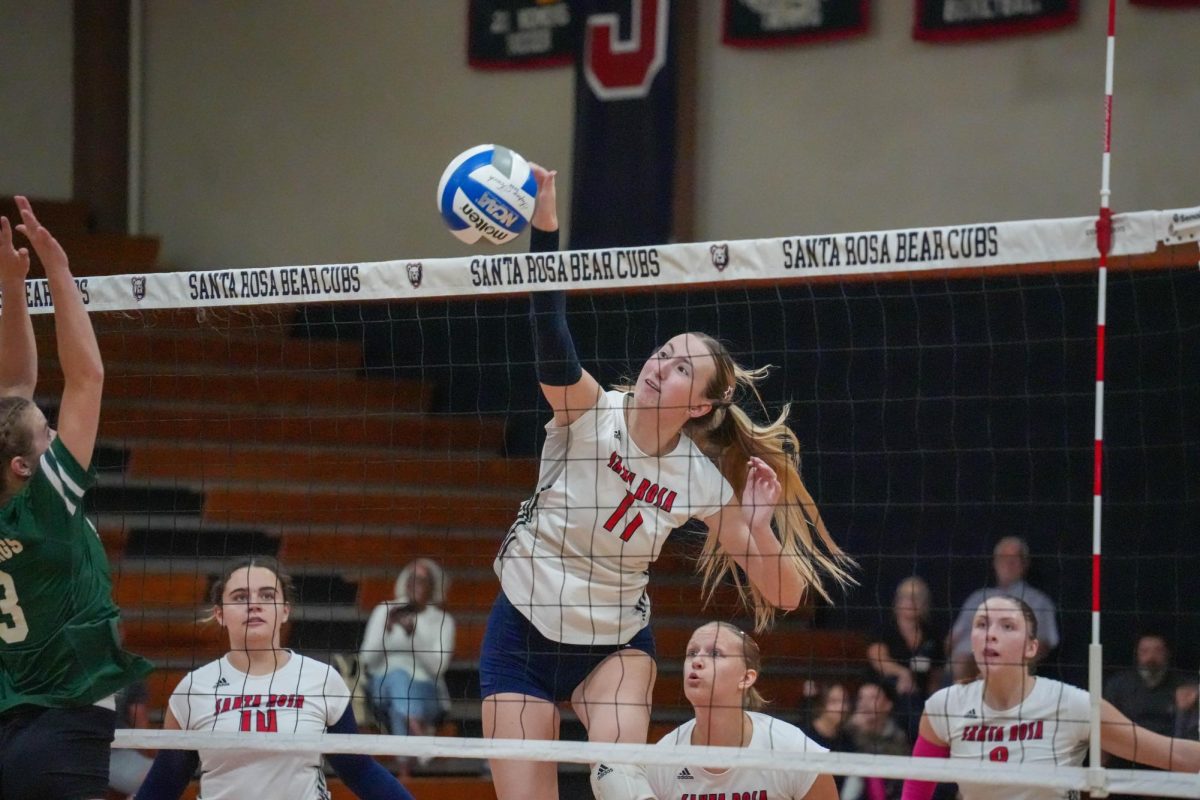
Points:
(60, 659)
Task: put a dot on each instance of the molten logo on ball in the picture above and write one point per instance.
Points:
(487, 192)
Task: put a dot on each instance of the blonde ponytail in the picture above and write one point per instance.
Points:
(730, 437)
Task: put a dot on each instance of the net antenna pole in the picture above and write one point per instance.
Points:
(1103, 243)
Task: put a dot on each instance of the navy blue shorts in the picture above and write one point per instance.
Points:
(515, 657)
(55, 752)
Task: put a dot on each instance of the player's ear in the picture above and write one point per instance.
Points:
(285, 612)
(748, 679)
(699, 410)
(21, 466)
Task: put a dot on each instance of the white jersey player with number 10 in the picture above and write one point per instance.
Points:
(261, 690)
(1009, 716)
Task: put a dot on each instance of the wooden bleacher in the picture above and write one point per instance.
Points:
(222, 434)
(91, 252)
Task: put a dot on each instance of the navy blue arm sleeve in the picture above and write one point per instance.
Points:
(553, 348)
(365, 776)
(169, 775)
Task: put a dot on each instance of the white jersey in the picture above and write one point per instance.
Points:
(303, 696)
(692, 782)
(576, 562)
(1050, 728)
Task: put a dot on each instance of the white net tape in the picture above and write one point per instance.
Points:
(1163, 784)
(999, 244)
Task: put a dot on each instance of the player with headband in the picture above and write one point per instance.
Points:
(1009, 716)
(620, 470)
(259, 688)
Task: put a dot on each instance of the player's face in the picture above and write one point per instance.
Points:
(253, 606)
(714, 669)
(676, 376)
(1000, 636)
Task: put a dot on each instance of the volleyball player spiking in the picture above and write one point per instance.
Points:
(619, 471)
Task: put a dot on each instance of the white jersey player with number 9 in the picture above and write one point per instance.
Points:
(1009, 716)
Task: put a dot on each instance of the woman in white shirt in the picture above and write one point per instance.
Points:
(260, 688)
(1009, 716)
(720, 669)
(406, 650)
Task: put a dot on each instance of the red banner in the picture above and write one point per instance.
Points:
(770, 23)
(969, 20)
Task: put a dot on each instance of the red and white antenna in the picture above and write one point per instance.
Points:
(1104, 232)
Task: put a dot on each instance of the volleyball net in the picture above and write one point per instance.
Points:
(350, 418)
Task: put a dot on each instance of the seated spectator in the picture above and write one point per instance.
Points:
(1187, 711)
(1151, 694)
(873, 729)
(906, 654)
(406, 650)
(827, 721)
(1010, 562)
(127, 768)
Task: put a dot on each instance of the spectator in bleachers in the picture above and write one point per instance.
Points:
(1010, 562)
(906, 653)
(407, 648)
(1187, 714)
(827, 721)
(874, 729)
(1152, 694)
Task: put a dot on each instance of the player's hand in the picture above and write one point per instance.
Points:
(545, 214)
(14, 261)
(761, 493)
(53, 257)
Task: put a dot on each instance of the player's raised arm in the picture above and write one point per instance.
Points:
(567, 387)
(83, 370)
(744, 531)
(18, 367)
(1120, 737)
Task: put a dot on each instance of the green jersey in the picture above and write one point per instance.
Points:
(58, 623)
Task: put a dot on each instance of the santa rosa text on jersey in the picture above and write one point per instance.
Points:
(754, 794)
(1017, 732)
(238, 702)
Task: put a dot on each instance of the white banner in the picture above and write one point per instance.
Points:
(770, 261)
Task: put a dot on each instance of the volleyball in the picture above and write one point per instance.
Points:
(487, 192)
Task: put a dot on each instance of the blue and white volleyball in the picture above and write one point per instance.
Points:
(487, 192)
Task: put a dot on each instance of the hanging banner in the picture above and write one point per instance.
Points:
(625, 108)
(1167, 3)
(965, 20)
(771, 23)
(519, 34)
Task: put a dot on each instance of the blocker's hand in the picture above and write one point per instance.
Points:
(14, 261)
